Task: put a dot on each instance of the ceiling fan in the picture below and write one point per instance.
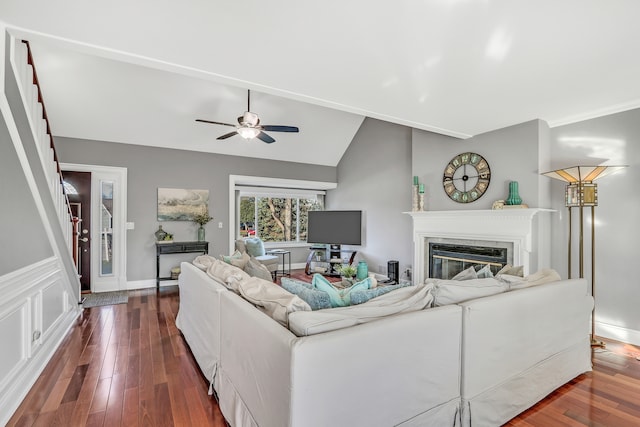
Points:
(249, 126)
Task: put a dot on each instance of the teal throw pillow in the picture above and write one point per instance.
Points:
(316, 299)
(255, 246)
(485, 272)
(338, 297)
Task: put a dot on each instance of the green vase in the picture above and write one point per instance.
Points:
(201, 234)
(514, 197)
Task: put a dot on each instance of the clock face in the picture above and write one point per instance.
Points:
(466, 177)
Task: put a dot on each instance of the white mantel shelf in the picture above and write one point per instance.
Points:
(516, 226)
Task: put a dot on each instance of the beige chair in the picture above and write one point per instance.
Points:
(255, 247)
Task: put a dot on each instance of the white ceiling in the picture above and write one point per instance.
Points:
(142, 71)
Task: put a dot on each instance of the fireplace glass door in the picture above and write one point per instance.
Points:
(447, 260)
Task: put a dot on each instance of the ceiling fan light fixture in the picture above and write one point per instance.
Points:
(248, 133)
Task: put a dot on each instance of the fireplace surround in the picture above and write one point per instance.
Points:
(525, 233)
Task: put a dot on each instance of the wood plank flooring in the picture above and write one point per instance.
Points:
(128, 365)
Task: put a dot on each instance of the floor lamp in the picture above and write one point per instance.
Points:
(581, 192)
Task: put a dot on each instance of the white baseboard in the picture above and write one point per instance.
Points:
(618, 333)
(149, 283)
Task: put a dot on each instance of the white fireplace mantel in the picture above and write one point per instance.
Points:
(527, 231)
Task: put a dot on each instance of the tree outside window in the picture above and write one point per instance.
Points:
(276, 219)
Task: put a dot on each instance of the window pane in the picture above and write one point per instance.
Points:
(106, 228)
(276, 220)
(307, 205)
(246, 225)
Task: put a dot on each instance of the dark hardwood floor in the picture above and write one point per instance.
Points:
(128, 365)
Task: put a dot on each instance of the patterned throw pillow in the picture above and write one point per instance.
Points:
(484, 272)
(316, 299)
(255, 247)
(237, 259)
(338, 297)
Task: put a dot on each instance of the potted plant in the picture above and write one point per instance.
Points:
(201, 219)
(347, 271)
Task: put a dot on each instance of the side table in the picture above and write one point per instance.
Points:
(286, 269)
(177, 248)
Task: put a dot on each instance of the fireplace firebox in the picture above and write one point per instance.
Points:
(446, 260)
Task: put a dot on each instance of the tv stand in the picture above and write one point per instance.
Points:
(324, 259)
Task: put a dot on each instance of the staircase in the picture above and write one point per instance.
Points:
(41, 128)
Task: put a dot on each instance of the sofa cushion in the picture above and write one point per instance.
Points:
(255, 268)
(271, 299)
(254, 245)
(404, 300)
(227, 274)
(447, 292)
(316, 299)
(338, 297)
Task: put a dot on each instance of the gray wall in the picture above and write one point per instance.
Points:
(149, 168)
(512, 154)
(375, 175)
(24, 241)
(614, 139)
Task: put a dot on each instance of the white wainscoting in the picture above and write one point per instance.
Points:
(36, 312)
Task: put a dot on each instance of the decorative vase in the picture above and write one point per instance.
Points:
(201, 234)
(362, 270)
(514, 197)
(160, 234)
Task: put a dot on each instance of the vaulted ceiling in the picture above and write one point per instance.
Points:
(142, 71)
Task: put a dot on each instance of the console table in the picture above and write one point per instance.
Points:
(176, 248)
(328, 257)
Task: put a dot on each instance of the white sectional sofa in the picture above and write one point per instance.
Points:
(477, 363)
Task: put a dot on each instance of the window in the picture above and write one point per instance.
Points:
(275, 215)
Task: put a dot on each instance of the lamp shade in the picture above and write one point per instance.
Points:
(578, 174)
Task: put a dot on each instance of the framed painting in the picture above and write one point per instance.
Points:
(177, 204)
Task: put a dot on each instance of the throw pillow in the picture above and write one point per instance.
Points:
(254, 245)
(226, 274)
(316, 299)
(203, 261)
(272, 299)
(511, 270)
(255, 268)
(468, 274)
(237, 259)
(338, 297)
(541, 277)
(484, 272)
(363, 295)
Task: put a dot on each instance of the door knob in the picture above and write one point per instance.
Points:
(84, 239)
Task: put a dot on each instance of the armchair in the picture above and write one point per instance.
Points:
(255, 248)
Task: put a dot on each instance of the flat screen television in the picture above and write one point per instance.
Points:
(335, 227)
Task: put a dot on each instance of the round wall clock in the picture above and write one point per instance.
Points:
(466, 177)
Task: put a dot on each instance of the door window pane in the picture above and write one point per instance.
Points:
(106, 228)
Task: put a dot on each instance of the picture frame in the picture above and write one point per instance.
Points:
(179, 204)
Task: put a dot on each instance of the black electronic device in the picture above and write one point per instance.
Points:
(335, 227)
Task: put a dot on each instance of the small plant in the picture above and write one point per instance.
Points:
(202, 218)
(346, 270)
(168, 237)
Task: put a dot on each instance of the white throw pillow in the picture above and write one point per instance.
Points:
(468, 274)
(227, 274)
(255, 268)
(272, 299)
(540, 277)
(203, 261)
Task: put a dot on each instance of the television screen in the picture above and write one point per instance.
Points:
(335, 227)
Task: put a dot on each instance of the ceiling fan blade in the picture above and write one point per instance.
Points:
(227, 135)
(265, 138)
(277, 128)
(214, 123)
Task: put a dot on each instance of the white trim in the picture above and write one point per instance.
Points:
(235, 180)
(119, 177)
(618, 333)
